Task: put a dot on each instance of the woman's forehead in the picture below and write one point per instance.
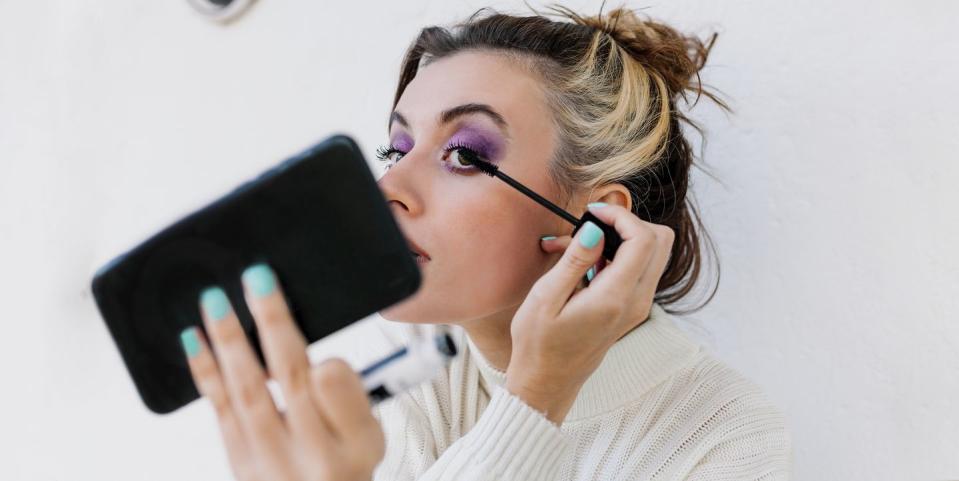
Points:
(471, 78)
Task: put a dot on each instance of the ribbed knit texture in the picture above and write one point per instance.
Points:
(657, 408)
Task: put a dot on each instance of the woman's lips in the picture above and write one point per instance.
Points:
(420, 255)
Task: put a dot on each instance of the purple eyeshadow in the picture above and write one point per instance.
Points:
(487, 144)
(402, 142)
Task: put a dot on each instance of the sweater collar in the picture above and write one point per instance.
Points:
(633, 365)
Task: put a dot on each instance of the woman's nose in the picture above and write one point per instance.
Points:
(402, 190)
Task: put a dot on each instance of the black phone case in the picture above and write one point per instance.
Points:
(318, 219)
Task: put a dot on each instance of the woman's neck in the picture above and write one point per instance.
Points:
(492, 337)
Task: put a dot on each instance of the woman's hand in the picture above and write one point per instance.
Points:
(562, 331)
(327, 432)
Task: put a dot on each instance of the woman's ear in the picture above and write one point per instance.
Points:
(612, 194)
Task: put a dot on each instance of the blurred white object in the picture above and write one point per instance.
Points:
(418, 362)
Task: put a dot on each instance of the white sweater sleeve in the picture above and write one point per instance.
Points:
(764, 457)
(756, 445)
(510, 441)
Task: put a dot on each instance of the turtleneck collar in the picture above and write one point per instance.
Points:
(633, 365)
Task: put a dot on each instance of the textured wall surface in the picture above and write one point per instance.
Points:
(834, 217)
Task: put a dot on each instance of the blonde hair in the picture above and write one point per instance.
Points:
(612, 82)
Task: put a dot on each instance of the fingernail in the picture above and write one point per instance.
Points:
(215, 303)
(590, 273)
(191, 344)
(548, 237)
(596, 204)
(591, 235)
(259, 279)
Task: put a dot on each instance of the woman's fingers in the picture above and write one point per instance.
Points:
(285, 351)
(208, 381)
(554, 244)
(340, 393)
(243, 376)
(327, 412)
(641, 241)
(657, 265)
(555, 287)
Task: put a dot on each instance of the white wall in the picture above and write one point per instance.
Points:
(840, 281)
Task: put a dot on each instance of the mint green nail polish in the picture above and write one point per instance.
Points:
(215, 303)
(259, 279)
(590, 273)
(590, 235)
(549, 237)
(596, 204)
(191, 344)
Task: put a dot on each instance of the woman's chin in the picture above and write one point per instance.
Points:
(408, 310)
(423, 308)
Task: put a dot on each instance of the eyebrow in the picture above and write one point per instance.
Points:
(451, 114)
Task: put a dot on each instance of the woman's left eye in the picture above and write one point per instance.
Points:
(456, 161)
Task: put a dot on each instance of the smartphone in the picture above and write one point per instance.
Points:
(318, 219)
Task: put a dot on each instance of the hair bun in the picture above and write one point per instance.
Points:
(676, 58)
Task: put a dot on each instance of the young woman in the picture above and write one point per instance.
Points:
(556, 380)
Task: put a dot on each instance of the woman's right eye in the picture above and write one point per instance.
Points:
(389, 155)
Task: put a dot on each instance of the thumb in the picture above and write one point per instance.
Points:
(559, 283)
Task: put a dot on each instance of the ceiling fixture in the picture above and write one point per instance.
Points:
(220, 10)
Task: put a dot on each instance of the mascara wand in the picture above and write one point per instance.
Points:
(612, 240)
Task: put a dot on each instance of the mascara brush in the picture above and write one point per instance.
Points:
(611, 239)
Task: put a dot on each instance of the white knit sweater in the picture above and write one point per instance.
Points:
(658, 407)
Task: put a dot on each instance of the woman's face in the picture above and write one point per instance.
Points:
(481, 235)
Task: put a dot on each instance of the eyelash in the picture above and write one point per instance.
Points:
(383, 153)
